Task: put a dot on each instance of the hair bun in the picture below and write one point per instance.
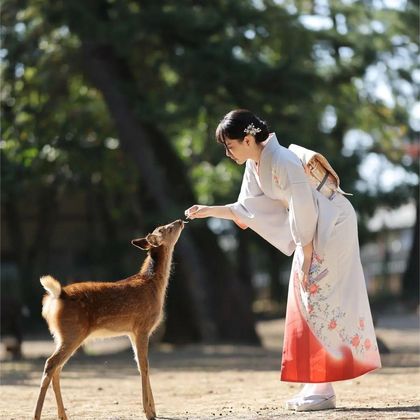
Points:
(238, 123)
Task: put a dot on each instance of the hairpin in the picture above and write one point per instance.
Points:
(252, 130)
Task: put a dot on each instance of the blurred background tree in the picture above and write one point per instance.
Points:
(109, 110)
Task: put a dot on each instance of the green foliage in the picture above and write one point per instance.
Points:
(189, 63)
(193, 61)
(56, 128)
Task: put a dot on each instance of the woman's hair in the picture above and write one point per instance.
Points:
(234, 123)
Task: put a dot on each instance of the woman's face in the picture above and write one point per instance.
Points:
(237, 150)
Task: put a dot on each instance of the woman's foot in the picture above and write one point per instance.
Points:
(306, 390)
(313, 397)
(315, 403)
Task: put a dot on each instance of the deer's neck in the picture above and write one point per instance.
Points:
(157, 266)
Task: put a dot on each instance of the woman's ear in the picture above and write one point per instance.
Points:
(248, 140)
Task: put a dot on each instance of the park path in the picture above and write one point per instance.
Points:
(203, 382)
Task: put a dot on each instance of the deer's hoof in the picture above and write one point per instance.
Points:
(151, 412)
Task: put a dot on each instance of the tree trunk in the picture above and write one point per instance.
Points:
(244, 268)
(410, 289)
(11, 215)
(213, 288)
(32, 253)
(38, 256)
(278, 291)
(109, 226)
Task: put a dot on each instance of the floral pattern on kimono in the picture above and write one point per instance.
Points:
(315, 301)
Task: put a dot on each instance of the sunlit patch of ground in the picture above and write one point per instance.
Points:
(208, 382)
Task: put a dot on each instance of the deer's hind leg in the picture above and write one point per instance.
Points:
(140, 344)
(52, 371)
(57, 391)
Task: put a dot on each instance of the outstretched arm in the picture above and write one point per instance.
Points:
(199, 212)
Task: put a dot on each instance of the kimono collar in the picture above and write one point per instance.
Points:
(271, 144)
(263, 170)
(270, 148)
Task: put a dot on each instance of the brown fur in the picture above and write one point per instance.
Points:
(132, 307)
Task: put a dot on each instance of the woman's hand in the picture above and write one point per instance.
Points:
(306, 265)
(197, 212)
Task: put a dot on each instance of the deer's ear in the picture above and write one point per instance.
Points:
(154, 240)
(141, 243)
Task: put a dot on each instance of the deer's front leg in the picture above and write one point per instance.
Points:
(141, 344)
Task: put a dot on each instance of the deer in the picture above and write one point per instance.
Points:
(132, 307)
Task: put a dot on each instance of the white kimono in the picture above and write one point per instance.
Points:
(329, 334)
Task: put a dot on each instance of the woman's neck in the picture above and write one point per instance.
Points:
(259, 147)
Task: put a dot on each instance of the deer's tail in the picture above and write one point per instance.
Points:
(51, 285)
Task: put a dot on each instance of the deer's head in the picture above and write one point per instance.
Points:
(162, 236)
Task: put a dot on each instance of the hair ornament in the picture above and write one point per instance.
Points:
(252, 130)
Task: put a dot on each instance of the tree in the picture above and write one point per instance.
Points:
(97, 84)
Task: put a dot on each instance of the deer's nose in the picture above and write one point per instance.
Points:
(180, 222)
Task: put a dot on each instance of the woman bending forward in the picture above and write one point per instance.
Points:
(329, 334)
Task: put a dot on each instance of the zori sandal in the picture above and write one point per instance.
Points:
(312, 403)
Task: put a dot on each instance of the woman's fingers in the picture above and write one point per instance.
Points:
(197, 212)
(189, 213)
(304, 272)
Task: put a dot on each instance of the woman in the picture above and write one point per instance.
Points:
(329, 334)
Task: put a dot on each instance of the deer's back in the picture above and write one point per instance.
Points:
(105, 309)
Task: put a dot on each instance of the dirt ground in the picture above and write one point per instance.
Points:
(211, 382)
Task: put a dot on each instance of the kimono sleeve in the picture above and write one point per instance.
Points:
(267, 217)
(291, 181)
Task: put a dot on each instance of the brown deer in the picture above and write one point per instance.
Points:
(132, 307)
